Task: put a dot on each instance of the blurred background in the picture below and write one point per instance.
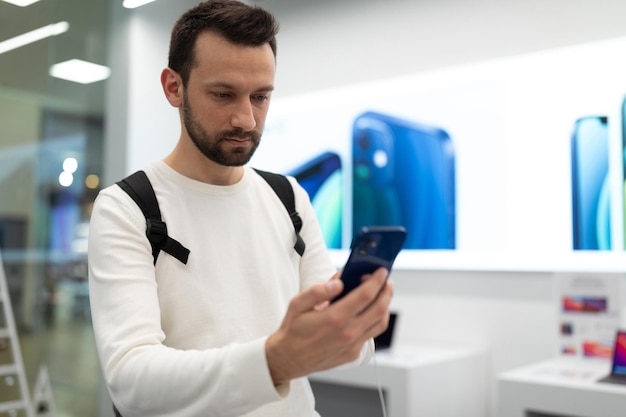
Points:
(51, 139)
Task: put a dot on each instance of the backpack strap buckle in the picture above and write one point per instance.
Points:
(156, 230)
(138, 187)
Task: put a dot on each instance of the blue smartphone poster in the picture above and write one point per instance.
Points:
(321, 177)
(590, 184)
(403, 174)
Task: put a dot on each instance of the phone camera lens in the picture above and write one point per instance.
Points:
(363, 141)
(367, 245)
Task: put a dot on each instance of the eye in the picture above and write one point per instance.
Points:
(261, 97)
(220, 94)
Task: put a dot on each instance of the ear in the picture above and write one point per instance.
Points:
(172, 87)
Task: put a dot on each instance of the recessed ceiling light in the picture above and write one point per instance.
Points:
(131, 4)
(22, 3)
(33, 36)
(80, 71)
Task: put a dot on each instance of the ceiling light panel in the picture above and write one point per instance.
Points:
(22, 3)
(33, 36)
(79, 71)
(131, 4)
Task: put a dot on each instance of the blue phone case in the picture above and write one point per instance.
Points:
(404, 174)
(372, 247)
(321, 177)
(590, 185)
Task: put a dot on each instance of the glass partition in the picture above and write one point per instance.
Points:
(51, 141)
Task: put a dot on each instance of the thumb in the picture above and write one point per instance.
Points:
(317, 294)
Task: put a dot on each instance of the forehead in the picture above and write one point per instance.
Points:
(215, 56)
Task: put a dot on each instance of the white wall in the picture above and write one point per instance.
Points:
(325, 44)
(330, 43)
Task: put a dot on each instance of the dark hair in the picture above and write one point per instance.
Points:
(239, 23)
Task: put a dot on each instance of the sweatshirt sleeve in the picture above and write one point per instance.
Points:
(144, 376)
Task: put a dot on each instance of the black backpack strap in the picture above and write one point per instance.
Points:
(282, 187)
(138, 187)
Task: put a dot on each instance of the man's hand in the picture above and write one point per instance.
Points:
(315, 335)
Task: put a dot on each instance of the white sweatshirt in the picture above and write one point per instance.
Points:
(189, 340)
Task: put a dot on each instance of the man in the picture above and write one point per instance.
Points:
(235, 330)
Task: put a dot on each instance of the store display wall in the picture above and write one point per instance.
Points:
(478, 157)
(328, 47)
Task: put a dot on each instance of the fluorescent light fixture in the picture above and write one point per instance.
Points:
(80, 71)
(131, 4)
(22, 3)
(34, 36)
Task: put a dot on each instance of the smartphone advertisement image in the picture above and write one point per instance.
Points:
(322, 179)
(403, 175)
(520, 155)
(590, 184)
(394, 165)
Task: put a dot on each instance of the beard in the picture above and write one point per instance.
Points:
(212, 147)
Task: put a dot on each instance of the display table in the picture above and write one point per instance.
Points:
(422, 380)
(559, 388)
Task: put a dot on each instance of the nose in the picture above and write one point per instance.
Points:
(243, 116)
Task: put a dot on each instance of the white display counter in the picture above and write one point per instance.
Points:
(423, 380)
(560, 388)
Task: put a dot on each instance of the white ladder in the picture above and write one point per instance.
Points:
(14, 394)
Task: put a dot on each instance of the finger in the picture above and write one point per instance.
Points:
(323, 306)
(375, 319)
(380, 273)
(363, 295)
(316, 295)
(380, 306)
(377, 327)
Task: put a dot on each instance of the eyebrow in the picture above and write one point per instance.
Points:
(223, 84)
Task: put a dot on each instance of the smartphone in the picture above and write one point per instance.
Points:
(590, 184)
(321, 177)
(373, 247)
(403, 173)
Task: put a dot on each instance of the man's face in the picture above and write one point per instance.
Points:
(227, 98)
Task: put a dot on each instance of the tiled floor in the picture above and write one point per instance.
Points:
(67, 348)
